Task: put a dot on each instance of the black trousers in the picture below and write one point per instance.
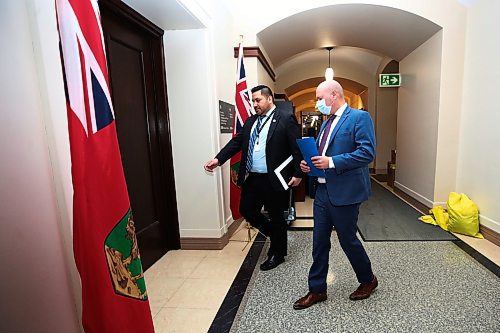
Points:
(256, 193)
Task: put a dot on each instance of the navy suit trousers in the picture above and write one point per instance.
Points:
(344, 219)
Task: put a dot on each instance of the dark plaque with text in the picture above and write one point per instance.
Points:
(226, 116)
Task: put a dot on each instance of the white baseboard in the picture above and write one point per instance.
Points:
(489, 223)
(414, 195)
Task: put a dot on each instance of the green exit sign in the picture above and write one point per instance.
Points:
(390, 80)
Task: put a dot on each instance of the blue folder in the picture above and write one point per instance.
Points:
(308, 149)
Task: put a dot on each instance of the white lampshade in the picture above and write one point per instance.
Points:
(329, 73)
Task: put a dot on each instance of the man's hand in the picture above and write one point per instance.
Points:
(304, 167)
(294, 181)
(321, 162)
(211, 165)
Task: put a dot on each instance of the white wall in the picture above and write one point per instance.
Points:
(418, 112)
(385, 125)
(385, 112)
(36, 274)
(217, 47)
(193, 111)
(224, 38)
(479, 160)
(263, 76)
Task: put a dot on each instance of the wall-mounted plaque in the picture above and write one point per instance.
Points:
(226, 116)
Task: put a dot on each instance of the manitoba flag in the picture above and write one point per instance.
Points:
(242, 112)
(114, 296)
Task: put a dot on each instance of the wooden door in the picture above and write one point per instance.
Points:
(134, 48)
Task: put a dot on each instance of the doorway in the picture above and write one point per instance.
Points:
(134, 50)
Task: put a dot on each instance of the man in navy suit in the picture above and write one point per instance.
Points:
(346, 145)
(267, 139)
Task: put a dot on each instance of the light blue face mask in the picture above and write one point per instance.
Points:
(321, 106)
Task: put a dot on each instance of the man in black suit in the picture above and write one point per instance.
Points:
(266, 141)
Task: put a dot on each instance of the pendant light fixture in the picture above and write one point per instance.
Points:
(329, 71)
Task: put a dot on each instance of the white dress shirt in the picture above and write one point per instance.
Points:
(338, 114)
(259, 149)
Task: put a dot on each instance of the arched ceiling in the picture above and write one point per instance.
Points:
(388, 31)
(303, 94)
(305, 85)
(340, 56)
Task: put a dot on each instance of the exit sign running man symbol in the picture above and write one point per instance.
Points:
(390, 80)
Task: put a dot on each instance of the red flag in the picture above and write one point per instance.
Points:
(242, 112)
(114, 296)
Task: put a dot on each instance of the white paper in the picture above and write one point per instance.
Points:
(278, 170)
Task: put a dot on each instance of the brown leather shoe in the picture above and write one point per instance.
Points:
(364, 290)
(308, 300)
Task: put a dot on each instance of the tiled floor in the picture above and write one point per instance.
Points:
(304, 209)
(187, 287)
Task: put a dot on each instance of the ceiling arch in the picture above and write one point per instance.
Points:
(303, 94)
(312, 83)
(386, 30)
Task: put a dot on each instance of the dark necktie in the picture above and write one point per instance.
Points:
(251, 144)
(324, 136)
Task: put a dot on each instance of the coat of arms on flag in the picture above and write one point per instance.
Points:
(124, 262)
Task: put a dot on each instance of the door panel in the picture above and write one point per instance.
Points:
(127, 70)
(136, 67)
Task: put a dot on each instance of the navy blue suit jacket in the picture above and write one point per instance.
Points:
(352, 147)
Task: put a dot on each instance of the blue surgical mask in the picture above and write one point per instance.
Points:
(321, 106)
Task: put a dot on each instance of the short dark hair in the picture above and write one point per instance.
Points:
(264, 90)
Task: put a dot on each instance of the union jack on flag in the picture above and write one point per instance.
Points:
(86, 74)
(244, 108)
(243, 111)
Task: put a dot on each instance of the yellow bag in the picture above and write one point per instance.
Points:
(463, 215)
(441, 217)
(438, 217)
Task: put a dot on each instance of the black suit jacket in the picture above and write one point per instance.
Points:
(280, 144)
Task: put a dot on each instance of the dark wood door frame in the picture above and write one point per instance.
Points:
(169, 214)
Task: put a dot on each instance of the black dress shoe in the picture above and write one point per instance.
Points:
(271, 262)
(308, 300)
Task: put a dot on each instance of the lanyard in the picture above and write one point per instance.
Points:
(259, 129)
